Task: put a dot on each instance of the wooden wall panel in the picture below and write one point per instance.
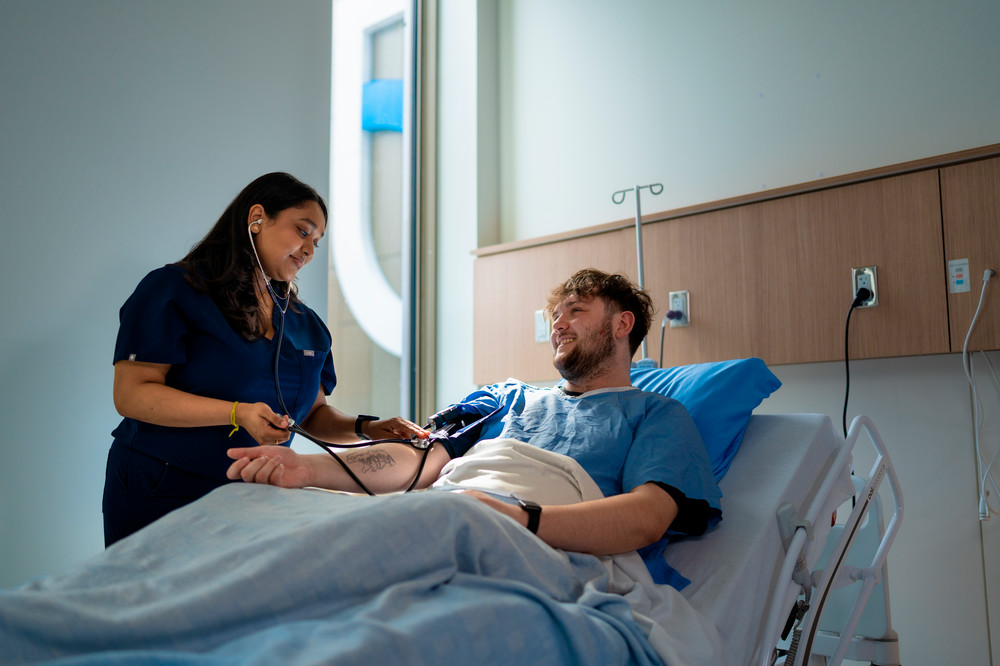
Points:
(771, 277)
(510, 286)
(892, 223)
(711, 257)
(971, 210)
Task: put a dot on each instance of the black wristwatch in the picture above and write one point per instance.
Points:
(534, 513)
(359, 422)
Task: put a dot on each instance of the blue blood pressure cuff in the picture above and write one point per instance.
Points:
(460, 426)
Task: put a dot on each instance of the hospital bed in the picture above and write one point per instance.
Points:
(775, 507)
(257, 574)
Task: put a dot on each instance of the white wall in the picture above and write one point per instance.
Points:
(718, 99)
(126, 127)
(723, 98)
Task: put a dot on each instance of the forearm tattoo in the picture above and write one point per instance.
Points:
(371, 461)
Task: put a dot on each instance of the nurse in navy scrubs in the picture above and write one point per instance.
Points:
(194, 358)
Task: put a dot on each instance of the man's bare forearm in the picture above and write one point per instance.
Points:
(383, 468)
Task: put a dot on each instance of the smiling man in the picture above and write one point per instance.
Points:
(589, 313)
(641, 449)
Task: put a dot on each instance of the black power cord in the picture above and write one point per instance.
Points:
(863, 295)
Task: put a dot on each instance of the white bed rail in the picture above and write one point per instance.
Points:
(823, 581)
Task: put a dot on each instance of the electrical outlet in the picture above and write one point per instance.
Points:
(680, 305)
(864, 277)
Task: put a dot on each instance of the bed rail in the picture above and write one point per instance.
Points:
(836, 573)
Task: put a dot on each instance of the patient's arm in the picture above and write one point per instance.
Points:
(605, 526)
(383, 468)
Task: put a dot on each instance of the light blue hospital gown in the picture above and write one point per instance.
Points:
(622, 437)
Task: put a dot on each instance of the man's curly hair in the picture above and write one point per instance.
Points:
(617, 290)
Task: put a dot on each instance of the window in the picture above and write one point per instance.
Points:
(371, 166)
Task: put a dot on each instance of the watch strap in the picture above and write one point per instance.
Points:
(359, 422)
(534, 512)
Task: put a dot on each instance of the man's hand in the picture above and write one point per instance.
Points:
(512, 510)
(275, 465)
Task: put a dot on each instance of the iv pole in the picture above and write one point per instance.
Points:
(619, 197)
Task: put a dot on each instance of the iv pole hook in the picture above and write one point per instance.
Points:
(618, 198)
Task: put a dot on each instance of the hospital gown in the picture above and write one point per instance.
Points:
(622, 437)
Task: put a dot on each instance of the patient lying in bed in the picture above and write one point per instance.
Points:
(642, 449)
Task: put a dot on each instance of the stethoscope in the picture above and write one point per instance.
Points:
(415, 442)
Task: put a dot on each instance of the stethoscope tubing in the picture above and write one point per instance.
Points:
(296, 428)
(299, 430)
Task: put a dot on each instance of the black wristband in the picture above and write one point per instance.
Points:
(534, 514)
(359, 422)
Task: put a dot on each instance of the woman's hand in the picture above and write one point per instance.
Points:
(274, 465)
(262, 423)
(395, 428)
(329, 424)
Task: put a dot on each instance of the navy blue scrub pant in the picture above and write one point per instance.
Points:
(139, 489)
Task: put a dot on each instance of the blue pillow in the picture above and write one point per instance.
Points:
(719, 396)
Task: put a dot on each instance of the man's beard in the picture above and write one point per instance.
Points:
(591, 358)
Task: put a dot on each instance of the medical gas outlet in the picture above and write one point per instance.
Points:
(864, 278)
(680, 311)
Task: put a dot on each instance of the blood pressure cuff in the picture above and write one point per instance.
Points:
(468, 429)
(490, 404)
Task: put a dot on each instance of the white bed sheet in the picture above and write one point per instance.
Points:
(733, 569)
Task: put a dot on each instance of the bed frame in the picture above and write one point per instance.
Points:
(833, 597)
(772, 553)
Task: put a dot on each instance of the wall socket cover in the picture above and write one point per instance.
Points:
(680, 302)
(865, 276)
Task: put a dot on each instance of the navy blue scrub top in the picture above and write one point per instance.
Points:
(166, 320)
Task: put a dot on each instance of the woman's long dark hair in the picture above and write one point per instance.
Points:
(223, 265)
